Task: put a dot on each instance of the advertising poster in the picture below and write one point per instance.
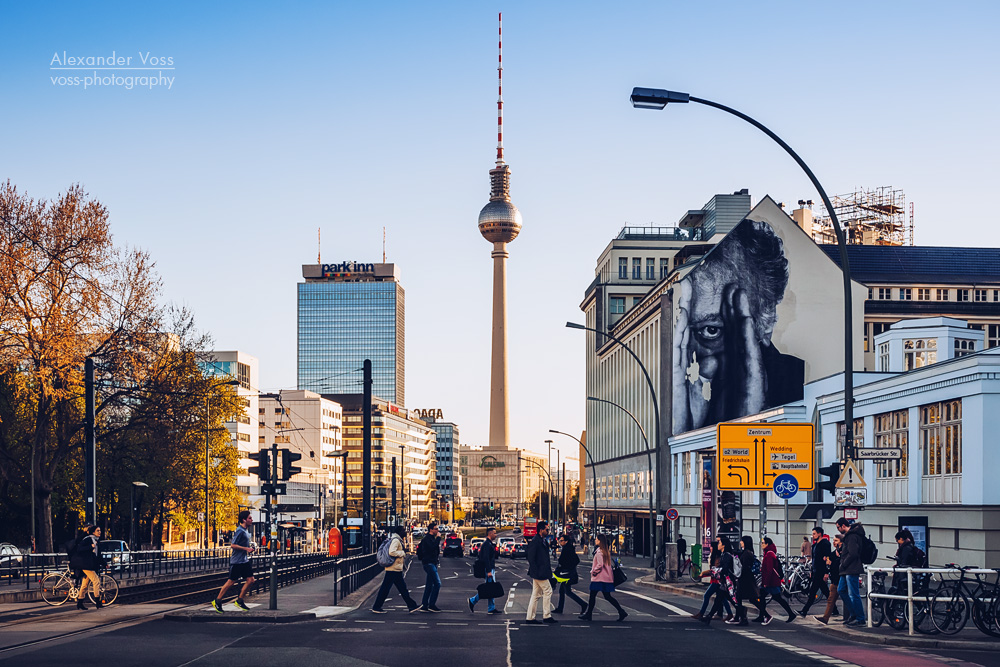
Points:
(707, 489)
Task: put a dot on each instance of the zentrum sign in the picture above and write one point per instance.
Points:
(336, 270)
(491, 463)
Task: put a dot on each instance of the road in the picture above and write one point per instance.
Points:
(658, 631)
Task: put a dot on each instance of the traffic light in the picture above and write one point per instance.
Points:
(288, 457)
(263, 467)
(491, 505)
(832, 472)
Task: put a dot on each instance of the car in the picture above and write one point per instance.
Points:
(453, 546)
(475, 544)
(10, 560)
(504, 545)
(519, 550)
(116, 554)
(517, 530)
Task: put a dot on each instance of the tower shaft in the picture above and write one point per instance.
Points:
(499, 420)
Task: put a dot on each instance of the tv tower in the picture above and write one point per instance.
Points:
(499, 223)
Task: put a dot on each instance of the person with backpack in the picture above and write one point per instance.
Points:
(715, 582)
(87, 561)
(429, 552)
(907, 555)
(486, 568)
(818, 583)
(772, 575)
(852, 566)
(566, 574)
(744, 566)
(391, 556)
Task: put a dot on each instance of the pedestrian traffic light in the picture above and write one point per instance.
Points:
(263, 467)
(832, 472)
(288, 457)
(491, 506)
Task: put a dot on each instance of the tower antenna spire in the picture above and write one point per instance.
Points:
(500, 90)
(319, 246)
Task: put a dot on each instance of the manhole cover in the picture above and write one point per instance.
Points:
(347, 629)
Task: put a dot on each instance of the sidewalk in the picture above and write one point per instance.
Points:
(305, 601)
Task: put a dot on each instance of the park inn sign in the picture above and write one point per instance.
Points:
(491, 463)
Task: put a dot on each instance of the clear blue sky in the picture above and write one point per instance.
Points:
(353, 116)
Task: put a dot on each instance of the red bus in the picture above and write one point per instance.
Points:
(529, 529)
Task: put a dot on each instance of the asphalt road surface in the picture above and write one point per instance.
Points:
(658, 631)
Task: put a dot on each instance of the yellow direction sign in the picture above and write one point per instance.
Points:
(850, 477)
(751, 455)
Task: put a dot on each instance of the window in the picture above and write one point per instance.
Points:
(992, 335)
(870, 297)
(637, 268)
(964, 346)
(883, 357)
(243, 437)
(664, 268)
(963, 295)
(884, 293)
(636, 300)
(260, 411)
(919, 352)
(892, 431)
(942, 295)
(617, 305)
(623, 268)
(859, 436)
(941, 438)
(924, 294)
(980, 294)
(905, 294)
(650, 268)
(996, 295)
(687, 470)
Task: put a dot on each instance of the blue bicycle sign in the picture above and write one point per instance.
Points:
(785, 486)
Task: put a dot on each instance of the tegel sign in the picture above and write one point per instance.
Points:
(752, 456)
(347, 267)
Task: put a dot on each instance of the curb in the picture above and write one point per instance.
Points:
(905, 640)
(254, 616)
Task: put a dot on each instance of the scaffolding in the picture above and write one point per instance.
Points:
(868, 217)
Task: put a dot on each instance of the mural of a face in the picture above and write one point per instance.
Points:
(724, 365)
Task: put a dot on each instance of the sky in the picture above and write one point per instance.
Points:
(281, 118)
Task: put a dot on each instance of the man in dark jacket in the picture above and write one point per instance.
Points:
(851, 568)
(540, 571)
(488, 558)
(429, 551)
(820, 570)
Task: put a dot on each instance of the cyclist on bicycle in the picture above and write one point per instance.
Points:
(87, 559)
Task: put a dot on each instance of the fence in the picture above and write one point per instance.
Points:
(923, 594)
(352, 573)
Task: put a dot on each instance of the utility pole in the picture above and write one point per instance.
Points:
(366, 460)
(90, 448)
(273, 518)
(394, 490)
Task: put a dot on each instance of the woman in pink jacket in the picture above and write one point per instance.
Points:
(602, 580)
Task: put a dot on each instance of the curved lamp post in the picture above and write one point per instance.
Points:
(593, 471)
(649, 460)
(657, 99)
(660, 468)
(542, 468)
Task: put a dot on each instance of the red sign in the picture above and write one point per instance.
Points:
(851, 513)
(672, 514)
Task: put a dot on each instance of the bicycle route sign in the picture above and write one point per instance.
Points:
(785, 486)
(753, 455)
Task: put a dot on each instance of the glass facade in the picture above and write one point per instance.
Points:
(447, 459)
(343, 323)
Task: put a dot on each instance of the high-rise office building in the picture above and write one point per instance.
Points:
(347, 313)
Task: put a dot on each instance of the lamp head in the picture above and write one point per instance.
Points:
(574, 325)
(656, 98)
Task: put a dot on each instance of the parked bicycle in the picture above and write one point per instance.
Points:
(954, 603)
(684, 567)
(58, 587)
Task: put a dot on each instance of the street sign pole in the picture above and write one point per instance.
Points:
(273, 499)
(763, 515)
(786, 530)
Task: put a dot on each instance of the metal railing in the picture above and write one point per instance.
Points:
(923, 595)
(352, 573)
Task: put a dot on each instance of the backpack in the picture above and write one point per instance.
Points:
(420, 551)
(737, 567)
(869, 552)
(755, 568)
(778, 569)
(919, 558)
(382, 555)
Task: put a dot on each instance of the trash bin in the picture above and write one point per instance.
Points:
(696, 558)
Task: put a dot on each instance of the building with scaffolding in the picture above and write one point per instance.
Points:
(875, 216)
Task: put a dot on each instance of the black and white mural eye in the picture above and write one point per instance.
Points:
(725, 312)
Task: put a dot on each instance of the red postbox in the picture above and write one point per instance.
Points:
(335, 542)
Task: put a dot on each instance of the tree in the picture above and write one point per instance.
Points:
(66, 293)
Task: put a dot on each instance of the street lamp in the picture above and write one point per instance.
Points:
(593, 471)
(208, 412)
(649, 460)
(131, 530)
(660, 467)
(542, 468)
(657, 99)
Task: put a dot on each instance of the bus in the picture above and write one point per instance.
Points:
(529, 528)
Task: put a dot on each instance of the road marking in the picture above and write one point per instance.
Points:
(410, 623)
(360, 621)
(322, 612)
(508, 643)
(676, 610)
(795, 649)
(451, 623)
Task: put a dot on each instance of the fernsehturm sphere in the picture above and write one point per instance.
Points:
(499, 223)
